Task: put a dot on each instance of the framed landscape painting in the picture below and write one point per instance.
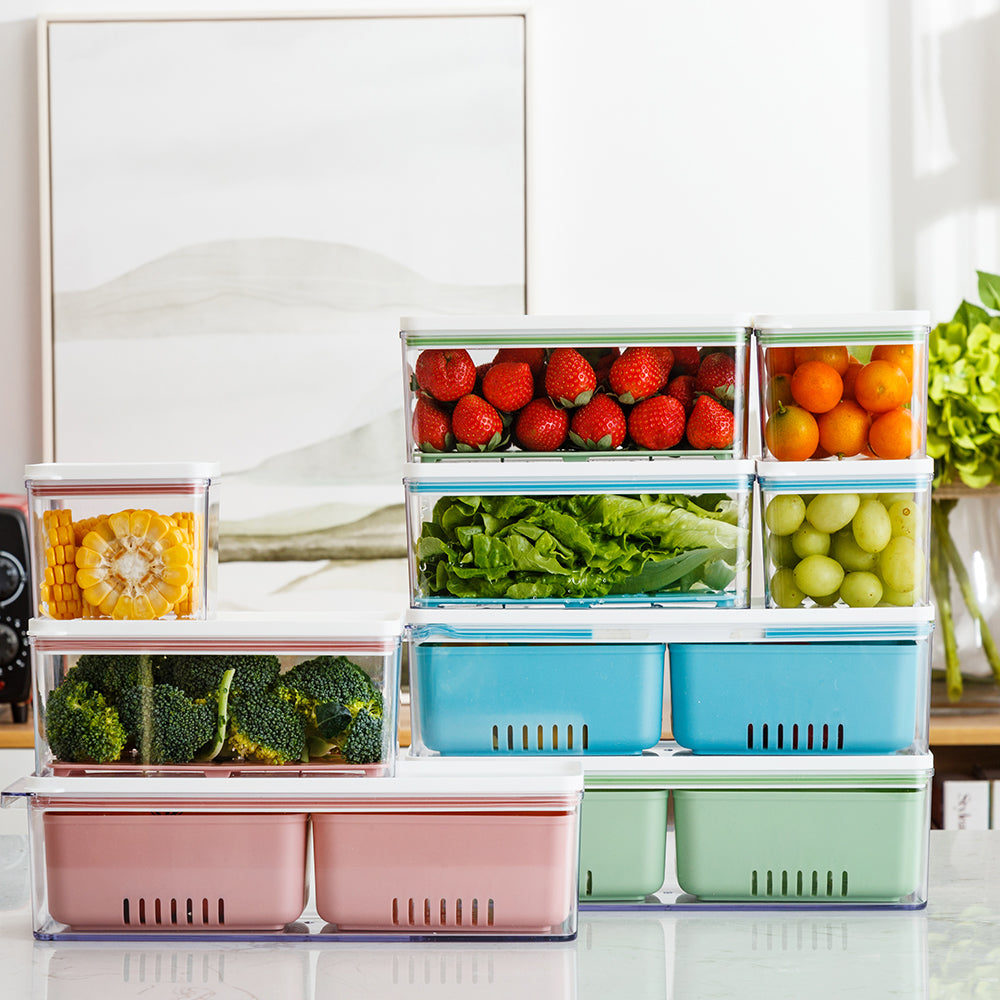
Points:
(237, 211)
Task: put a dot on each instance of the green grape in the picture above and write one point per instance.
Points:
(888, 499)
(807, 541)
(781, 551)
(830, 512)
(871, 526)
(898, 598)
(828, 601)
(903, 518)
(785, 591)
(818, 575)
(861, 590)
(850, 555)
(784, 514)
(901, 564)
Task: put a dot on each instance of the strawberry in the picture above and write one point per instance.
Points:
(431, 427)
(686, 360)
(569, 378)
(657, 423)
(445, 373)
(540, 426)
(533, 357)
(476, 424)
(666, 358)
(636, 375)
(599, 425)
(717, 375)
(508, 385)
(711, 425)
(682, 387)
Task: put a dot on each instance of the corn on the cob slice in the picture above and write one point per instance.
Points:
(134, 564)
(58, 589)
(189, 523)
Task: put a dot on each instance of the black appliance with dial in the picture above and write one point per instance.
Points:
(15, 611)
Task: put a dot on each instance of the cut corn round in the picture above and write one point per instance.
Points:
(134, 564)
(59, 592)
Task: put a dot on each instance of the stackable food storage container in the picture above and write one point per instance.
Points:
(459, 853)
(535, 681)
(845, 534)
(843, 386)
(123, 541)
(639, 532)
(810, 681)
(529, 386)
(246, 693)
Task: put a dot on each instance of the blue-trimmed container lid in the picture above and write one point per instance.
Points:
(885, 475)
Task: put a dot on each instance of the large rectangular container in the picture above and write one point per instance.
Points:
(553, 386)
(843, 386)
(534, 681)
(123, 541)
(307, 691)
(634, 532)
(846, 535)
(816, 681)
(844, 831)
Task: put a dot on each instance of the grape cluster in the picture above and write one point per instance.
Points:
(857, 549)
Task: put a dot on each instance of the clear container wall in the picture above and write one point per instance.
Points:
(591, 387)
(132, 706)
(846, 393)
(851, 541)
(635, 541)
(123, 550)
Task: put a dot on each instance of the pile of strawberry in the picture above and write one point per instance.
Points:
(592, 399)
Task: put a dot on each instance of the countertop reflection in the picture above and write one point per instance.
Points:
(950, 949)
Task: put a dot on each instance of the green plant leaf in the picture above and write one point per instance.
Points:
(989, 289)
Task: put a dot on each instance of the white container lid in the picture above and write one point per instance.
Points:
(834, 474)
(123, 472)
(484, 785)
(242, 629)
(669, 625)
(624, 475)
(513, 325)
(871, 322)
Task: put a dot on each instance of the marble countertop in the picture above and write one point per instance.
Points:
(950, 949)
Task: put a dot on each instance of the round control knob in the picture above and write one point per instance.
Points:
(10, 645)
(11, 577)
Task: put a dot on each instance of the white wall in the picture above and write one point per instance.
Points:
(760, 155)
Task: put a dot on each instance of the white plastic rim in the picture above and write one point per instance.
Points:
(693, 323)
(917, 320)
(244, 627)
(123, 472)
(918, 471)
(669, 625)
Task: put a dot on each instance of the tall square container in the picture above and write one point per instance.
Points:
(244, 692)
(809, 681)
(579, 534)
(123, 541)
(843, 386)
(846, 534)
(536, 681)
(523, 386)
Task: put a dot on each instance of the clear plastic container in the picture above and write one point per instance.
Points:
(843, 386)
(519, 386)
(123, 541)
(520, 534)
(817, 681)
(846, 534)
(525, 682)
(456, 853)
(252, 693)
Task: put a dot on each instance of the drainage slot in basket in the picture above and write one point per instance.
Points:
(798, 883)
(531, 738)
(589, 883)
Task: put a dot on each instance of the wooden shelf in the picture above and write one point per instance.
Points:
(982, 729)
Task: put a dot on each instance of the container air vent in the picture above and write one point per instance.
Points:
(787, 884)
(412, 912)
(532, 738)
(794, 737)
(157, 912)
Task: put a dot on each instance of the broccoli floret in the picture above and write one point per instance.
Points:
(335, 697)
(164, 725)
(113, 673)
(80, 726)
(363, 744)
(266, 727)
(199, 675)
